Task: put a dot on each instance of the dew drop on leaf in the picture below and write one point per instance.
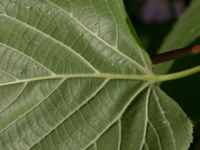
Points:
(165, 122)
(28, 7)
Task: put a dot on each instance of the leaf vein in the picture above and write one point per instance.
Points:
(33, 107)
(168, 123)
(156, 133)
(143, 87)
(146, 119)
(68, 116)
(142, 68)
(21, 91)
(120, 134)
(9, 74)
(53, 39)
(30, 58)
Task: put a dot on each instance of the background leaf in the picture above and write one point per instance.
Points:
(186, 32)
(48, 50)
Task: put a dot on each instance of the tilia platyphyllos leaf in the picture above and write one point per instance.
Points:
(73, 77)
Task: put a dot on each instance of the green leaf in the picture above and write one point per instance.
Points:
(156, 125)
(185, 32)
(73, 77)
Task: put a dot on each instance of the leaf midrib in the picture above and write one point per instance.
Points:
(82, 75)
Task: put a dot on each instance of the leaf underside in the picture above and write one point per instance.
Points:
(49, 38)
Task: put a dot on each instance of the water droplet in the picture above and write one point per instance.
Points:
(165, 122)
(28, 7)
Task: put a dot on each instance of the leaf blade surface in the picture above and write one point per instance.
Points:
(45, 39)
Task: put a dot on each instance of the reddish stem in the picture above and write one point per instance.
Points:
(178, 53)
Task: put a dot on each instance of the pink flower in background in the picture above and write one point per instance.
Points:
(160, 11)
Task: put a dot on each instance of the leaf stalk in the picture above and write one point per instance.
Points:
(175, 54)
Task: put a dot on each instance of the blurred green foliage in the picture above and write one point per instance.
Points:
(151, 34)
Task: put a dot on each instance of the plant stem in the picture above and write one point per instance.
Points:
(178, 75)
(178, 53)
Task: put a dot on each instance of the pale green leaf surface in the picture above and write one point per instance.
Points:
(53, 90)
(159, 124)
